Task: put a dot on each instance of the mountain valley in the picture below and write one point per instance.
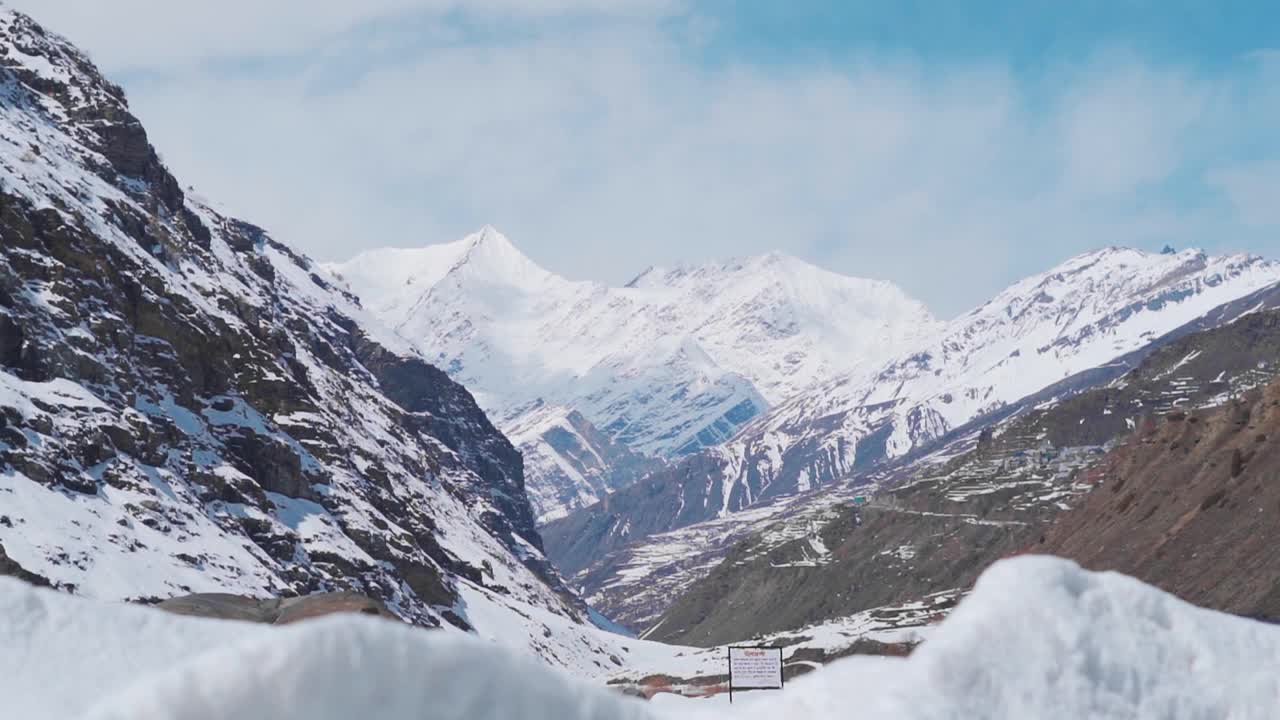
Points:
(256, 478)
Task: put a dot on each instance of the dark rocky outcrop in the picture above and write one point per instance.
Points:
(671, 497)
(441, 408)
(11, 568)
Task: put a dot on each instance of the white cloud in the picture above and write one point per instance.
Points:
(1254, 191)
(129, 34)
(1122, 124)
(603, 148)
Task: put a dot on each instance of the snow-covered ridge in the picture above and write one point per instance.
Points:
(675, 361)
(575, 463)
(1080, 315)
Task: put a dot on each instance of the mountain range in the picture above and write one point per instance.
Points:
(597, 384)
(1134, 458)
(1089, 311)
(477, 444)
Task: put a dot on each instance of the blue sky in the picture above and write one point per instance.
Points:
(949, 147)
(1029, 34)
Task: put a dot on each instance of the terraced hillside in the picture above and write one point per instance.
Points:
(1190, 506)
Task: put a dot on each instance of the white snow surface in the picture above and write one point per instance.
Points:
(1037, 638)
(678, 359)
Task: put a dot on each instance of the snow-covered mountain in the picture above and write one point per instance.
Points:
(1085, 313)
(677, 360)
(1080, 315)
(187, 405)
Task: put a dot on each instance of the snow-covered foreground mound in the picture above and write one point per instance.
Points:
(1038, 638)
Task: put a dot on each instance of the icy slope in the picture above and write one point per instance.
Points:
(677, 360)
(1037, 638)
(187, 405)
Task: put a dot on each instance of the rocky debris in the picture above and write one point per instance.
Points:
(274, 611)
(885, 631)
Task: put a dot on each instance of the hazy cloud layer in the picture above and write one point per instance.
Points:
(601, 142)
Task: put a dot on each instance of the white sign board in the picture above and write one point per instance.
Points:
(755, 667)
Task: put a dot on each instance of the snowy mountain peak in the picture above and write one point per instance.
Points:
(492, 256)
(677, 360)
(801, 280)
(390, 281)
(35, 49)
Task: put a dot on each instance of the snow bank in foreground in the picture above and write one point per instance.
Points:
(1038, 638)
(1041, 638)
(364, 668)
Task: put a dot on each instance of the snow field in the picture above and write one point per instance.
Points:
(1038, 638)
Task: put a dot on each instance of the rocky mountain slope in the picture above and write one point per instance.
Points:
(1063, 326)
(1189, 506)
(677, 360)
(938, 523)
(187, 405)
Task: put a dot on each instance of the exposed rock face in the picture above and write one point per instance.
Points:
(939, 525)
(1189, 505)
(187, 405)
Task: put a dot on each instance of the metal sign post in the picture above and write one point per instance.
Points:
(755, 667)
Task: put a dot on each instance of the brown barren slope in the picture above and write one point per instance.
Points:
(1191, 504)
